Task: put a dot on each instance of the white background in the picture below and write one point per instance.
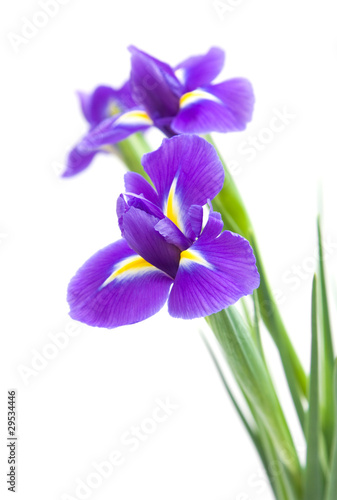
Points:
(76, 408)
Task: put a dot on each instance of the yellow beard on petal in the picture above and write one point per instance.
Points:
(129, 267)
(136, 117)
(188, 256)
(195, 96)
(114, 109)
(171, 206)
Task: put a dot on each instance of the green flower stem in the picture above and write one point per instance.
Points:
(263, 443)
(254, 379)
(235, 217)
(131, 151)
(277, 474)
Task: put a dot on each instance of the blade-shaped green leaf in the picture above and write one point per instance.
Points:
(235, 218)
(257, 324)
(327, 352)
(313, 484)
(252, 376)
(263, 443)
(331, 492)
(251, 431)
(296, 377)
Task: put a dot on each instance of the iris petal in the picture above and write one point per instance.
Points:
(188, 167)
(213, 274)
(224, 107)
(154, 85)
(115, 129)
(77, 161)
(194, 221)
(135, 183)
(198, 71)
(138, 228)
(213, 226)
(116, 287)
(105, 101)
(172, 234)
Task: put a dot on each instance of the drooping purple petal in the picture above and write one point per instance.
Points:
(77, 161)
(116, 287)
(185, 171)
(198, 71)
(138, 228)
(115, 129)
(135, 183)
(154, 85)
(225, 107)
(212, 275)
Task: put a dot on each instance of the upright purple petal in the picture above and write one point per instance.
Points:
(198, 71)
(212, 275)
(154, 85)
(138, 229)
(225, 107)
(135, 183)
(105, 102)
(95, 106)
(116, 287)
(77, 161)
(185, 171)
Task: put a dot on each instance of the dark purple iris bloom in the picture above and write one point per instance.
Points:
(175, 100)
(165, 253)
(102, 104)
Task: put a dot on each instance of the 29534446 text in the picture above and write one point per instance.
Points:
(11, 444)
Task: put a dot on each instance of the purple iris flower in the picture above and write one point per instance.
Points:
(102, 104)
(166, 253)
(175, 100)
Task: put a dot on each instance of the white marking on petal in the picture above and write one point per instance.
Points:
(136, 117)
(128, 268)
(193, 256)
(180, 74)
(196, 96)
(172, 208)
